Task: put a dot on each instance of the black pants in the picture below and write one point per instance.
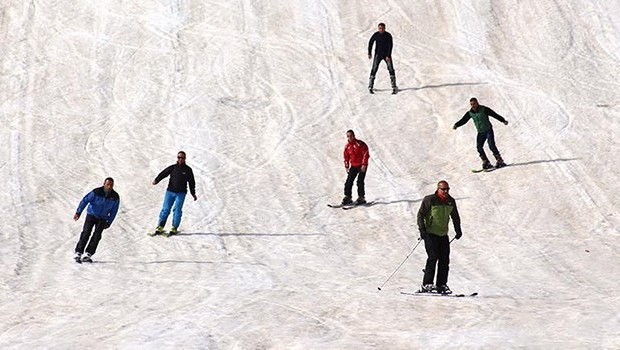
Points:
(375, 67)
(89, 223)
(438, 251)
(348, 185)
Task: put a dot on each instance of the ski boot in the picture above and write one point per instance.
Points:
(500, 162)
(347, 200)
(371, 84)
(86, 258)
(486, 164)
(443, 289)
(77, 257)
(426, 288)
(394, 87)
(173, 231)
(360, 200)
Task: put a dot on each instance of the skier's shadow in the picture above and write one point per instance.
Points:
(382, 202)
(437, 86)
(242, 234)
(544, 161)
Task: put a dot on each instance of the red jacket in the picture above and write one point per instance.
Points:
(356, 154)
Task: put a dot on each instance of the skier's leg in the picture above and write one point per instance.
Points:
(348, 185)
(443, 264)
(373, 72)
(491, 140)
(390, 67)
(431, 260)
(89, 223)
(165, 209)
(361, 191)
(94, 240)
(177, 212)
(480, 139)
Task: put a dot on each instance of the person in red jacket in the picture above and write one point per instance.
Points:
(355, 162)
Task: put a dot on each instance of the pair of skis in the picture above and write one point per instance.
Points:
(435, 294)
(394, 91)
(350, 206)
(487, 170)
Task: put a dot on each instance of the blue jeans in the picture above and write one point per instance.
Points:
(170, 198)
(481, 139)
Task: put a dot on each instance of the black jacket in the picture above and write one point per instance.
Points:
(180, 176)
(383, 46)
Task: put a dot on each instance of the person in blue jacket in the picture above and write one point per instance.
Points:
(103, 203)
(181, 175)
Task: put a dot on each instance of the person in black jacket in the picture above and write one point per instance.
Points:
(103, 203)
(180, 176)
(383, 51)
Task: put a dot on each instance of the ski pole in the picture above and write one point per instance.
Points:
(401, 264)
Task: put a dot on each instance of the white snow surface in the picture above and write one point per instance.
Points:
(260, 94)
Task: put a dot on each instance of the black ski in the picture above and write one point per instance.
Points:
(353, 205)
(432, 294)
(487, 170)
(335, 205)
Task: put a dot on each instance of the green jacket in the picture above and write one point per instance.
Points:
(481, 118)
(434, 215)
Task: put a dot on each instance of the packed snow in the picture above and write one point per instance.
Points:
(260, 94)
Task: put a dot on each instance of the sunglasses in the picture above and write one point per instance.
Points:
(445, 189)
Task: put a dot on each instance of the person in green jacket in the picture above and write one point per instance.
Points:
(480, 115)
(433, 218)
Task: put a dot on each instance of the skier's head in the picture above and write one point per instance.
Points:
(108, 184)
(443, 189)
(473, 102)
(350, 136)
(381, 27)
(181, 157)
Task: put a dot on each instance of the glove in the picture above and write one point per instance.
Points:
(506, 122)
(106, 225)
(458, 235)
(423, 235)
(454, 127)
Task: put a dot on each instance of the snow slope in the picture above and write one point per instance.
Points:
(260, 94)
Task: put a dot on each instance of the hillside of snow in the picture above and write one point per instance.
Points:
(260, 94)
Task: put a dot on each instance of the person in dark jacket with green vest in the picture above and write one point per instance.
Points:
(433, 218)
(480, 115)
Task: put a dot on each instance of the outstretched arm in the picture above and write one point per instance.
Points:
(492, 113)
(163, 174)
(462, 121)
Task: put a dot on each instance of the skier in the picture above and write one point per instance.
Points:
(383, 51)
(355, 162)
(433, 218)
(480, 114)
(180, 176)
(103, 203)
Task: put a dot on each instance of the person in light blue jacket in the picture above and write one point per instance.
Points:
(103, 203)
